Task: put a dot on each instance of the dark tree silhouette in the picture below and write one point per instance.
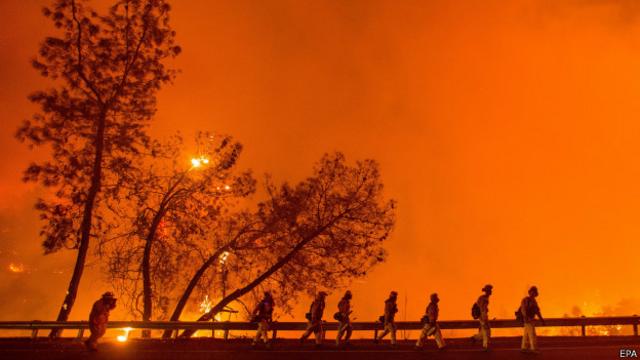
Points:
(106, 69)
(236, 234)
(321, 233)
(171, 208)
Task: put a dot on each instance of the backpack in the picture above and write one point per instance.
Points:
(338, 316)
(475, 311)
(261, 313)
(308, 315)
(381, 318)
(518, 314)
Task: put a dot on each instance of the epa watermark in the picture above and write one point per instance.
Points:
(628, 353)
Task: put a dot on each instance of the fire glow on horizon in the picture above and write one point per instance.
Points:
(16, 268)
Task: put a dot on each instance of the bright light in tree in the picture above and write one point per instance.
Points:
(223, 257)
(197, 162)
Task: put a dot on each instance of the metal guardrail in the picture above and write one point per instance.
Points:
(227, 326)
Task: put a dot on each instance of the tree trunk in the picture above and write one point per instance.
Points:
(147, 294)
(257, 281)
(192, 285)
(85, 227)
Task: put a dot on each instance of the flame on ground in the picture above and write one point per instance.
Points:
(125, 337)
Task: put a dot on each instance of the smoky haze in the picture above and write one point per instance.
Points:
(507, 131)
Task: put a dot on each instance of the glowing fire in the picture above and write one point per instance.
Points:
(125, 337)
(223, 257)
(206, 305)
(16, 268)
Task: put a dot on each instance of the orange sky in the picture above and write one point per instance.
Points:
(508, 133)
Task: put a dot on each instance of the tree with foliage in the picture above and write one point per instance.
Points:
(320, 233)
(106, 70)
(168, 212)
(231, 241)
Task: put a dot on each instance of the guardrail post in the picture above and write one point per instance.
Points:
(80, 333)
(584, 330)
(274, 334)
(635, 329)
(34, 334)
(226, 334)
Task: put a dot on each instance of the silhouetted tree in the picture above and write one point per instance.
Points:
(320, 233)
(106, 69)
(232, 241)
(171, 210)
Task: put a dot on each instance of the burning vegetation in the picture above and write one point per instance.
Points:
(16, 268)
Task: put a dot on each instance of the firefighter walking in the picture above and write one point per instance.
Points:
(98, 319)
(344, 322)
(481, 312)
(314, 317)
(263, 315)
(431, 326)
(388, 319)
(529, 310)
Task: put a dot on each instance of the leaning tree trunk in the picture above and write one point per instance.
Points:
(257, 281)
(85, 227)
(190, 287)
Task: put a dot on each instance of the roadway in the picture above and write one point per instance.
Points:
(590, 348)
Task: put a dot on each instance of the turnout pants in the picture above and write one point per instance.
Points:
(428, 330)
(529, 337)
(97, 331)
(263, 332)
(316, 328)
(389, 328)
(484, 333)
(344, 328)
